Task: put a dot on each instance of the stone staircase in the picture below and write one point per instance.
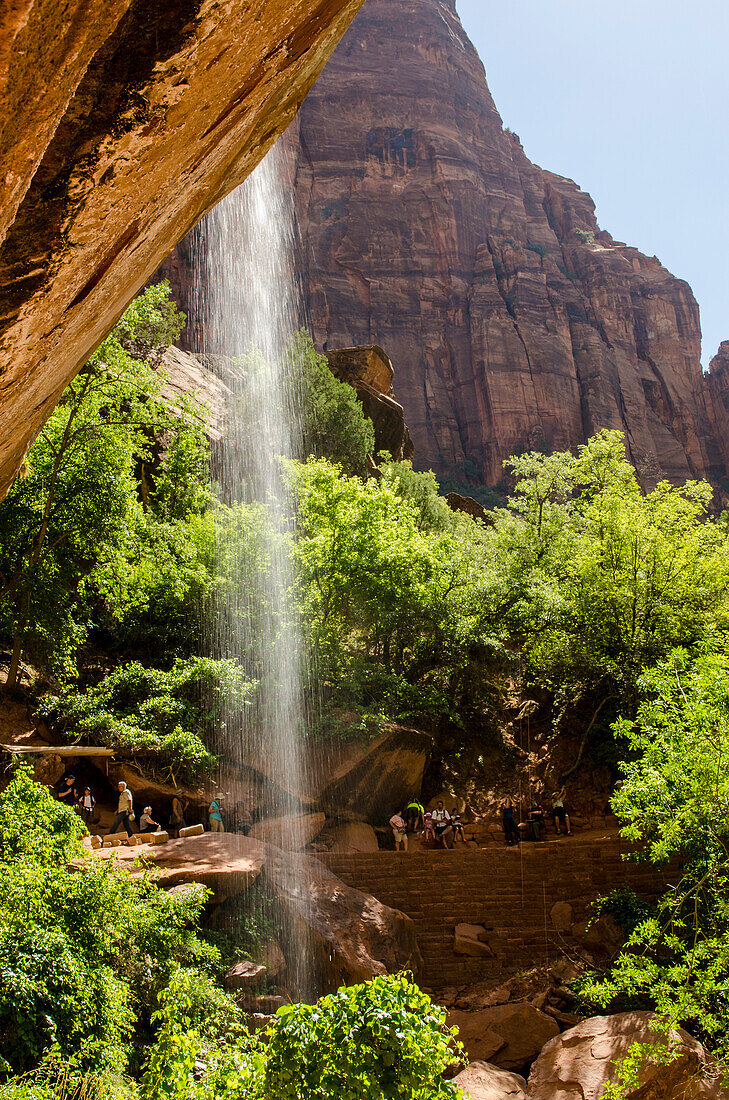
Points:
(510, 891)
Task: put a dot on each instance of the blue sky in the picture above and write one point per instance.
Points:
(631, 100)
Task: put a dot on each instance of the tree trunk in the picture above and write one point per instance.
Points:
(12, 678)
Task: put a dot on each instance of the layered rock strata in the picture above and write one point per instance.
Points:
(122, 123)
(514, 321)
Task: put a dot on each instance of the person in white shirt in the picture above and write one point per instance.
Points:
(124, 811)
(442, 824)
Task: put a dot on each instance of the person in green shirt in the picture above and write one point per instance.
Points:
(414, 816)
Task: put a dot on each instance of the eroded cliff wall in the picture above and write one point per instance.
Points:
(121, 124)
(512, 320)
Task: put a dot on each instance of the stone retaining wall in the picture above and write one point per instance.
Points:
(510, 891)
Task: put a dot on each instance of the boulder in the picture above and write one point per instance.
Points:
(369, 778)
(482, 1081)
(350, 936)
(369, 371)
(224, 862)
(480, 1042)
(292, 832)
(192, 830)
(522, 1028)
(160, 837)
(578, 1064)
(562, 916)
(354, 836)
(244, 974)
(272, 957)
(602, 936)
(470, 939)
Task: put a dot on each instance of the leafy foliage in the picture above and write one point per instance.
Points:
(166, 719)
(675, 800)
(76, 532)
(83, 952)
(335, 427)
(383, 1038)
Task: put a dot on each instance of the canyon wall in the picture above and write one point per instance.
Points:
(121, 124)
(512, 320)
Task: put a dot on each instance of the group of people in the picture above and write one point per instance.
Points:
(221, 820)
(534, 827)
(444, 828)
(83, 800)
(436, 826)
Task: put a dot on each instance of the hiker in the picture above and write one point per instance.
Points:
(441, 823)
(508, 822)
(242, 819)
(428, 830)
(146, 824)
(414, 816)
(86, 805)
(561, 817)
(66, 793)
(457, 826)
(535, 821)
(177, 817)
(399, 831)
(215, 814)
(124, 810)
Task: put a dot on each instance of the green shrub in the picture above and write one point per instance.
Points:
(384, 1038)
(166, 720)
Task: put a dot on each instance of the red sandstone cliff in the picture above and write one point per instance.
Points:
(512, 320)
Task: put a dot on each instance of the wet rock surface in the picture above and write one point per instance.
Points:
(122, 124)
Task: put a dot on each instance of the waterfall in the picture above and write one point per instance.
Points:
(248, 309)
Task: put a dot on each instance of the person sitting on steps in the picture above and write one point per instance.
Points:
(442, 824)
(242, 818)
(457, 826)
(399, 831)
(508, 821)
(146, 824)
(428, 830)
(124, 811)
(561, 817)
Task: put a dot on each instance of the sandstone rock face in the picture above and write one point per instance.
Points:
(352, 937)
(292, 832)
(122, 123)
(482, 1081)
(370, 778)
(579, 1063)
(224, 862)
(512, 319)
(522, 1028)
(370, 372)
(354, 836)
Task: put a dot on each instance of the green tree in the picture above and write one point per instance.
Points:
(391, 601)
(334, 423)
(76, 531)
(674, 803)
